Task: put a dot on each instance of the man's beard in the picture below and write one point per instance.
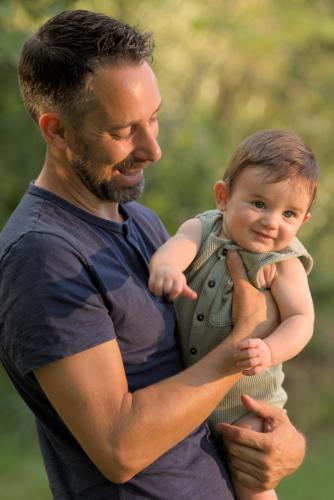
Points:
(107, 190)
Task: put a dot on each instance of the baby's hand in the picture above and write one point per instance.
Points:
(252, 356)
(170, 281)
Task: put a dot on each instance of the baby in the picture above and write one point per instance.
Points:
(264, 198)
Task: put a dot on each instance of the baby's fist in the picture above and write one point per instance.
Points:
(252, 356)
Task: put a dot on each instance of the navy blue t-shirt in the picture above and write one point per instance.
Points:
(70, 281)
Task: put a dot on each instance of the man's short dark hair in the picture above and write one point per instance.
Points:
(56, 61)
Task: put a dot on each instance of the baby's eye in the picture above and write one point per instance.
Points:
(258, 204)
(288, 214)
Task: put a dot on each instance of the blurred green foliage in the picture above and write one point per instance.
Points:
(226, 68)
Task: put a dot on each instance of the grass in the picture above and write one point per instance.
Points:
(22, 472)
(314, 479)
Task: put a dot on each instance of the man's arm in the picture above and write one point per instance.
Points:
(121, 431)
(260, 460)
(124, 432)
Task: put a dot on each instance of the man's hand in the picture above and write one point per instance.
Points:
(170, 281)
(260, 460)
(252, 356)
(252, 310)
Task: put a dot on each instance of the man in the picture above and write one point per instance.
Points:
(87, 346)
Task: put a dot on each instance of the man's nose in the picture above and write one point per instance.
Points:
(146, 146)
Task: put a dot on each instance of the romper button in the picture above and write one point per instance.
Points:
(200, 317)
(193, 350)
(211, 283)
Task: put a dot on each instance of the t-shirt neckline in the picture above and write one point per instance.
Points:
(82, 214)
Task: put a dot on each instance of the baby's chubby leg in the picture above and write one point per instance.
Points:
(242, 493)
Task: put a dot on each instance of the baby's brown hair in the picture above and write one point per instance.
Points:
(281, 153)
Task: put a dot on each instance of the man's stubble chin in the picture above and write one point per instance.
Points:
(106, 191)
(112, 192)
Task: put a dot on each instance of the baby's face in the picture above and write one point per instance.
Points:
(261, 216)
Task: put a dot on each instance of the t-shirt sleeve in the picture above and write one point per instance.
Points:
(50, 306)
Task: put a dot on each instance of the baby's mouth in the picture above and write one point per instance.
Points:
(263, 235)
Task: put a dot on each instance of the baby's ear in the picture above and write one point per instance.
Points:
(221, 195)
(307, 217)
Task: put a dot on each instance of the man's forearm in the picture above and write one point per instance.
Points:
(124, 432)
(158, 417)
(170, 410)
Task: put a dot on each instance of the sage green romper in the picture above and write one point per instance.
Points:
(206, 322)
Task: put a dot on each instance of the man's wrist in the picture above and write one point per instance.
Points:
(227, 365)
(241, 331)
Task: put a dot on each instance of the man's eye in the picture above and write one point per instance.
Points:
(154, 119)
(259, 204)
(117, 137)
(288, 214)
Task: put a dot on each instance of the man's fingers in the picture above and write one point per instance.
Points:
(262, 409)
(251, 476)
(248, 460)
(239, 435)
(235, 266)
(265, 456)
(250, 468)
(246, 480)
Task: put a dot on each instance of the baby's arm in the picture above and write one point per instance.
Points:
(292, 294)
(172, 258)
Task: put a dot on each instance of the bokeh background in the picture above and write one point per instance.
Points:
(226, 68)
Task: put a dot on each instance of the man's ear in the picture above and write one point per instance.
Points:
(221, 195)
(307, 217)
(53, 130)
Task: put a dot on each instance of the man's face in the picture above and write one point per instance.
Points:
(116, 139)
